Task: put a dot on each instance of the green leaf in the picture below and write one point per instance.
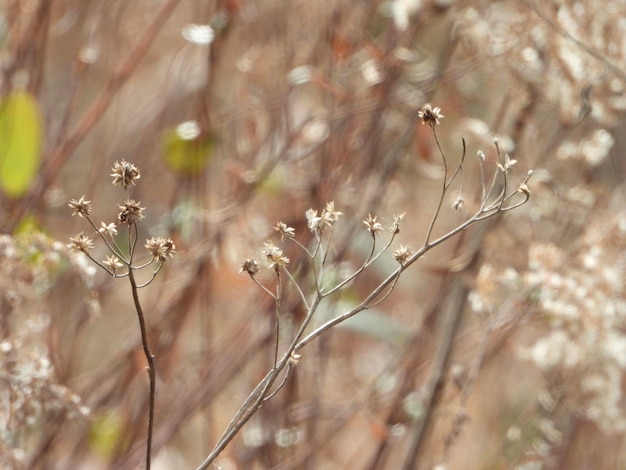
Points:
(21, 133)
(187, 153)
(106, 432)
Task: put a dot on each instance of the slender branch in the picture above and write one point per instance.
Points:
(443, 189)
(151, 364)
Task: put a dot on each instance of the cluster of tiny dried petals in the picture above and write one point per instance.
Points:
(109, 229)
(81, 242)
(508, 163)
(250, 266)
(80, 207)
(113, 263)
(275, 256)
(131, 213)
(430, 115)
(372, 224)
(395, 227)
(402, 254)
(161, 248)
(327, 218)
(124, 174)
(285, 231)
(294, 358)
(458, 202)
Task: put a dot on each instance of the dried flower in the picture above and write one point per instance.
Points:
(330, 215)
(81, 242)
(285, 231)
(395, 227)
(430, 115)
(523, 188)
(372, 225)
(508, 163)
(81, 207)
(124, 174)
(275, 256)
(457, 205)
(402, 254)
(109, 229)
(114, 263)
(250, 266)
(294, 358)
(327, 219)
(314, 221)
(160, 248)
(131, 212)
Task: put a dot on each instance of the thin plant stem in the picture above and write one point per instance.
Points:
(151, 364)
(279, 293)
(443, 190)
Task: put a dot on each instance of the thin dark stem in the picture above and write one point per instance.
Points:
(151, 367)
(279, 293)
(443, 189)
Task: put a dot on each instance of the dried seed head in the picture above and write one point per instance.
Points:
(109, 229)
(275, 256)
(131, 213)
(402, 254)
(430, 115)
(395, 227)
(81, 242)
(82, 207)
(327, 219)
(372, 225)
(114, 263)
(285, 231)
(124, 174)
(457, 205)
(250, 266)
(160, 248)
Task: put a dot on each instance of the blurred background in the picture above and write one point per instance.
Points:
(503, 348)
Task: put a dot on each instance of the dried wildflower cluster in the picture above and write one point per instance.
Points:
(318, 224)
(560, 48)
(430, 116)
(580, 300)
(124, 175)
(32, 397)
(120, 262)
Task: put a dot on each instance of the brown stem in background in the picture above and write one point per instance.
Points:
(59, 155)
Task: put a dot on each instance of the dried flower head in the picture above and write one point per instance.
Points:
(250, 266)
(275, 256)
(508, 163)
(395, 227)
(82, 207)
(285, 231)
(313, 220)
(402, 254)
(294, 358)
(327, 219)
(523, 188)
(114, 263)
(430, 115)
(81, 242)
(330, 215)
(124, 174)
(458, 202)
(109, 229)
(160, 248)
(373, 226)
(131, 212)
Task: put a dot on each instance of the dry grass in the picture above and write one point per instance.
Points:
(516, 324)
